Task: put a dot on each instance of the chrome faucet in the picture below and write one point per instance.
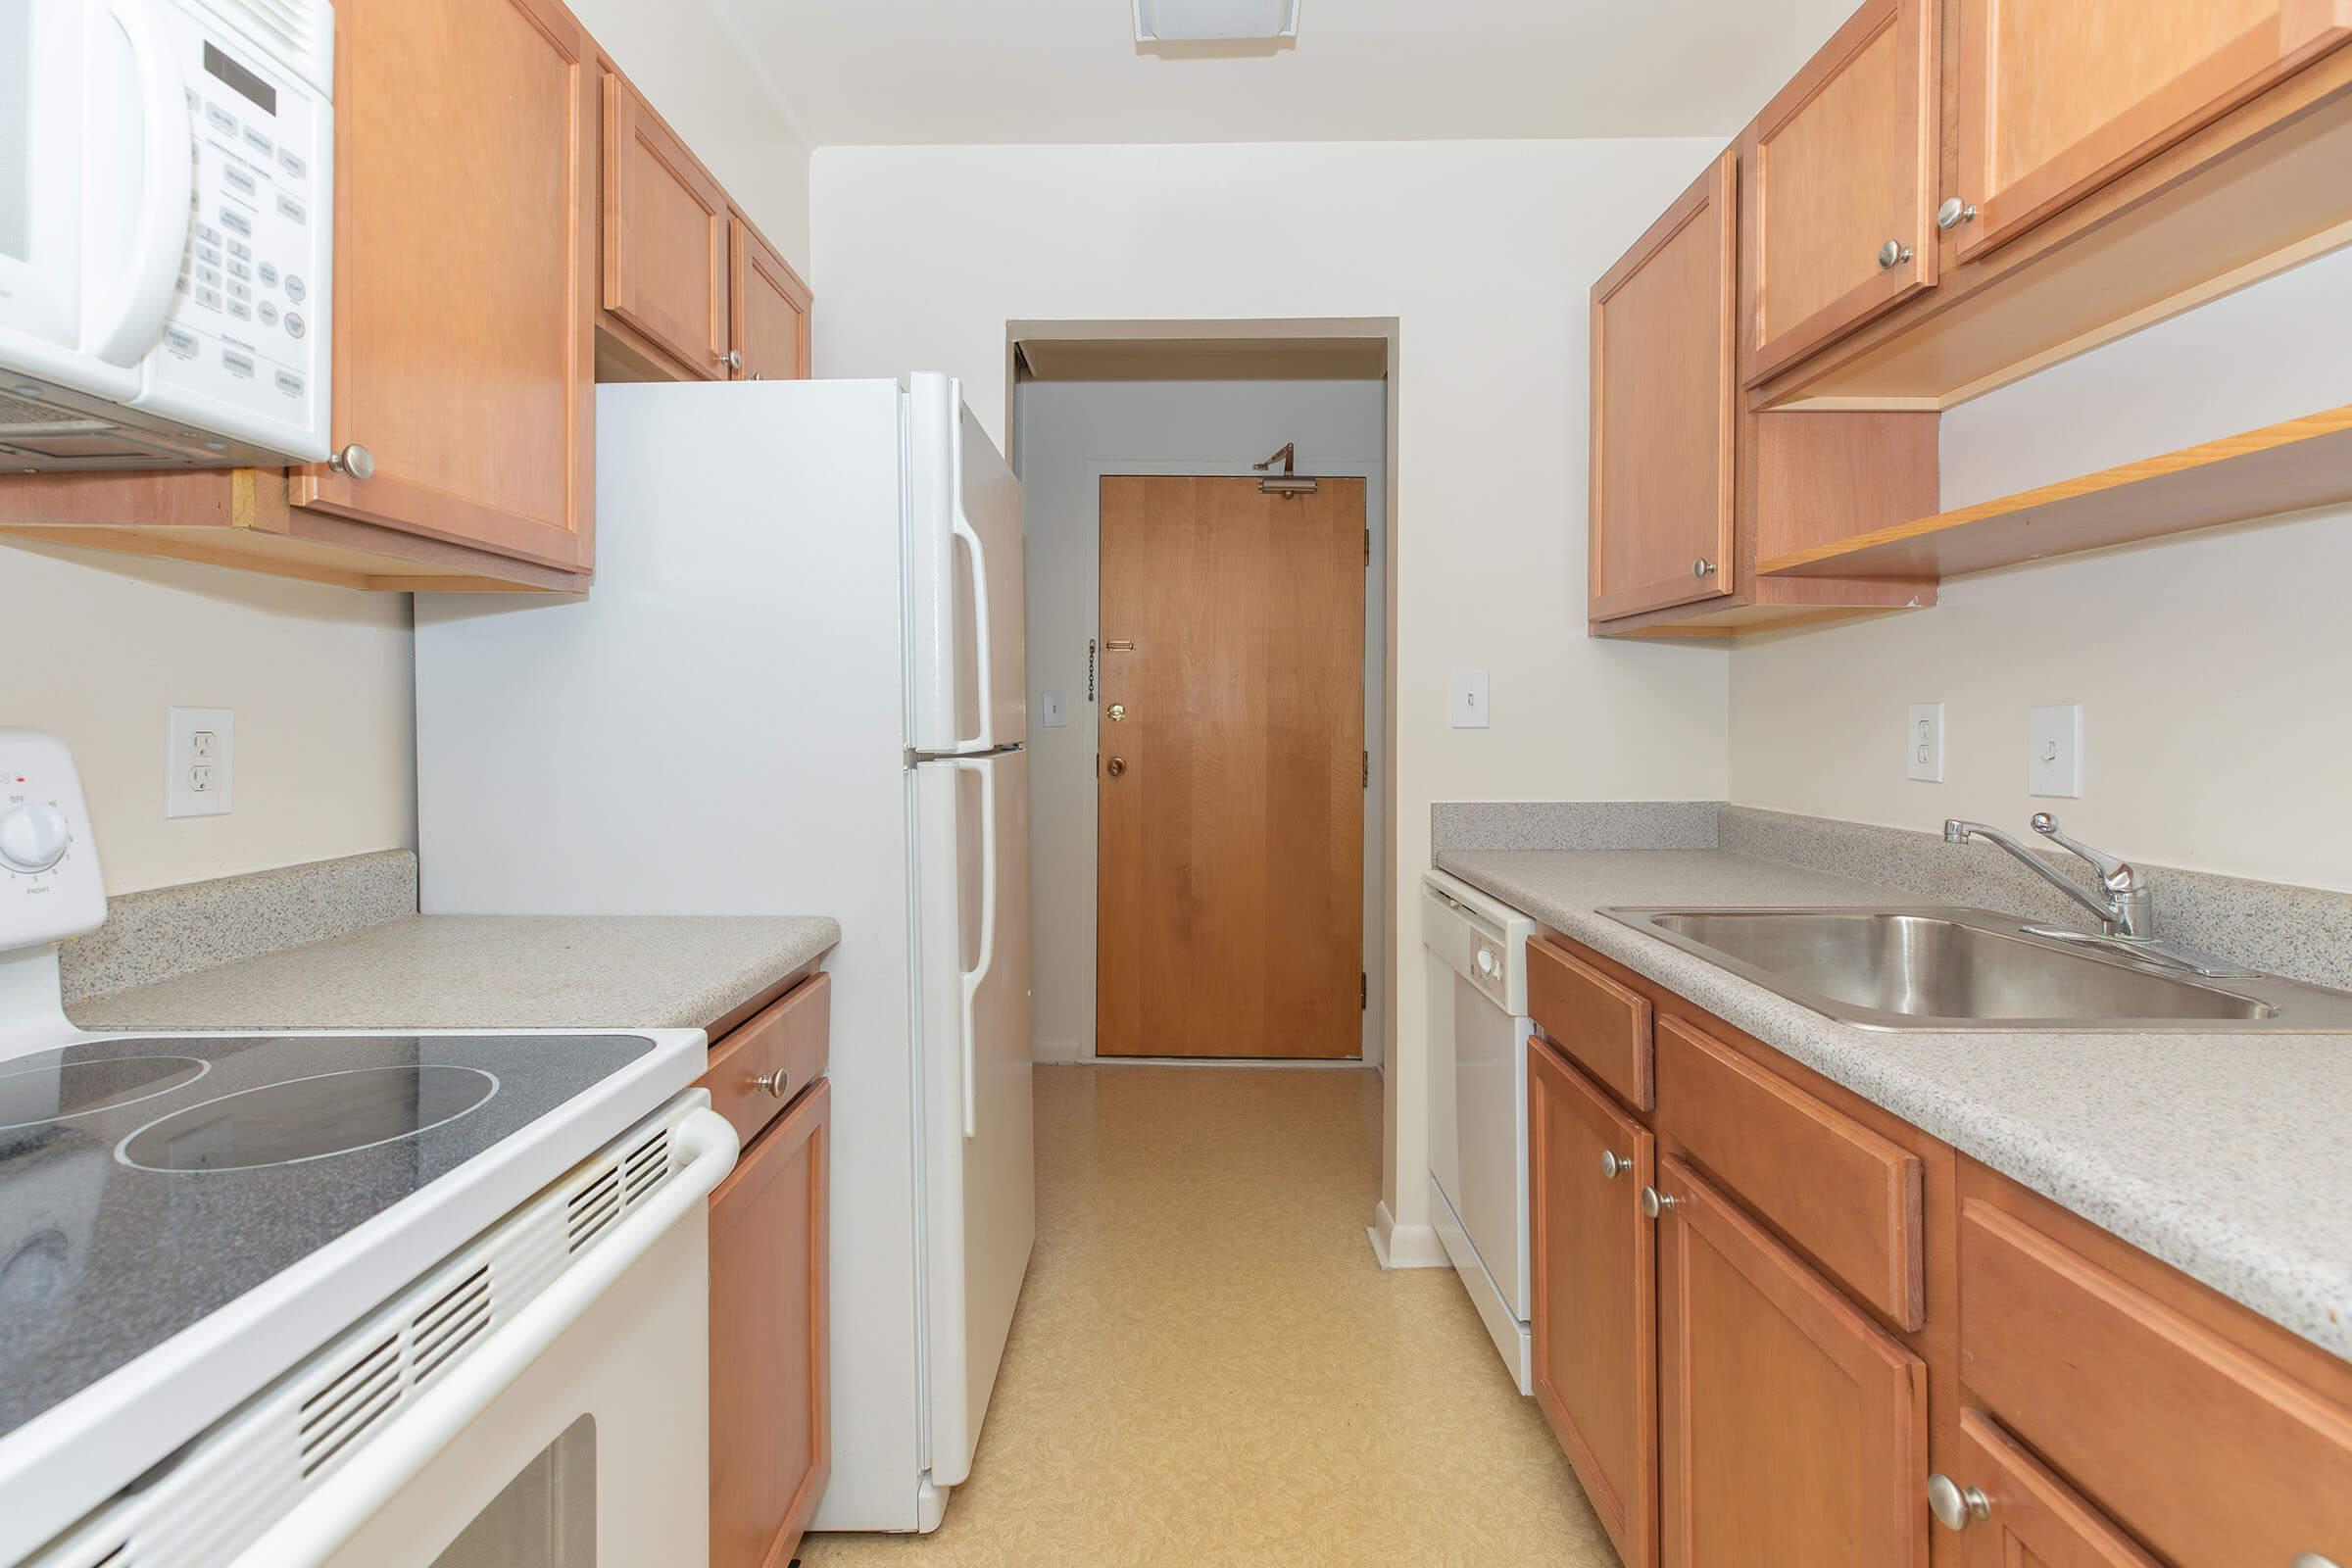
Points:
(2127, 914)
(2129, 908)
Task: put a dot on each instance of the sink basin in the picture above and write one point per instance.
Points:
(1956, 970)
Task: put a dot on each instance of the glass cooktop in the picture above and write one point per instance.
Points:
(147, 1181)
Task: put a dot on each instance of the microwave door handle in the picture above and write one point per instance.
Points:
(987, 938)
(166, 184)
(339, 1506)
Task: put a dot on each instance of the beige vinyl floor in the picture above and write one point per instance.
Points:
(1209, 1366)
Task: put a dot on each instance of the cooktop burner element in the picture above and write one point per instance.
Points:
(146, 1182)
(317, 1117)
(55, 1089)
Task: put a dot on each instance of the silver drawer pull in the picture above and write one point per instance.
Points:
(775, 1083)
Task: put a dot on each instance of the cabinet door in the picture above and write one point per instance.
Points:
(2059, 96)
(1664, 341)
(464, 297)
(1596, 1324)
(2029, 1518)
(1792, 1429)
(1839, 207)
(666, 228)
(769, 1441)
(770, 312)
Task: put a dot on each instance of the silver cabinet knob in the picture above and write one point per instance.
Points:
(1656, 1203)
(1954, 1504)
(1954, 211)
(775, 1083)
(1894, 253)
(732, 358)
(1702, 567)
(354, 460)
(1613, 1166)
(2311, 1560)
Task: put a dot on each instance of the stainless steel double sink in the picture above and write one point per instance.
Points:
(1937, 968)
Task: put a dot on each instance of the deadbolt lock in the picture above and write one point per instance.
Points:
(1118, 710)
(1116, 766)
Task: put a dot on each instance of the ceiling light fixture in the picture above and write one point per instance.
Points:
(1208, 20)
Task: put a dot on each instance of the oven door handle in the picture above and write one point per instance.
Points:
(345, 1500)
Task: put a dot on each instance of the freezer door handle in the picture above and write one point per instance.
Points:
(983, 633)
(988, 922)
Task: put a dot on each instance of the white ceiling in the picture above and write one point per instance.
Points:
(858, 71)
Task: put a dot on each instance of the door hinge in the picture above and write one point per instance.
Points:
(1367, 771)
(1364, 992)
(1367, 547)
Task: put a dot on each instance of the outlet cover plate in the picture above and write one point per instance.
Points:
(200, 751)
(2054, 752)
(1923, 752)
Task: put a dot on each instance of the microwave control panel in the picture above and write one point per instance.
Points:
(245, 349)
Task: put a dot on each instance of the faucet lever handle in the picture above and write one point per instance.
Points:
(2116, 875)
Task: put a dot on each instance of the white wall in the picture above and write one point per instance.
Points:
(1068, 435)
(1484, 254)
(94, 645)
(2210, 667)
(688, 60)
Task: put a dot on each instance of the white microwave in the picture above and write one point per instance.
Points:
(166, 232)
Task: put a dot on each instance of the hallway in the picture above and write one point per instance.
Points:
(1208, 1367)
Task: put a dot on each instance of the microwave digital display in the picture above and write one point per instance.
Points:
(244, 82)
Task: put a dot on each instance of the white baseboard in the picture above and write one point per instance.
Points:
(1055, 1052)
(1404, 1245)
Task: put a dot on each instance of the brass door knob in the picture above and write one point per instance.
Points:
(1118, 710)
(1116, 766)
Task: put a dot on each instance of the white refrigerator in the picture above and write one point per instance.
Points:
(797, 688)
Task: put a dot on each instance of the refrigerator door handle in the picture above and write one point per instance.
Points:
(974, 977)
(983, 633)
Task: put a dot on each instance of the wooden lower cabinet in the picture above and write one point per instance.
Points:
(2019, 1515)
(769, 1440)
(1596, 1322)
(1794, 1429)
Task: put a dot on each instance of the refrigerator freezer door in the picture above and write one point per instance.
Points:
(964, 579)
(980, 1209)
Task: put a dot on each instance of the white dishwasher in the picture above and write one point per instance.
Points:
(1477, 1029)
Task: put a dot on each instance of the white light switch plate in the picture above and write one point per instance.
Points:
(1469, 698)
(1055, 708)
(199, 748)
(1922, 743)
(2054, 752)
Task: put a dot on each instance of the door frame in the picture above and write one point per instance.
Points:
(1372, 470)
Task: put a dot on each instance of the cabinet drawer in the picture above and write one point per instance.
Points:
(2029, 1516)
(1602, 1026)
(1842, 1192)
(788, 1038)
(2204, 1452)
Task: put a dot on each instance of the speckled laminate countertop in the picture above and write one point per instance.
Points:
(486, 971)
(2224, 1155)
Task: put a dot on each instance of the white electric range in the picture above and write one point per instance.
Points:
(350, 1297)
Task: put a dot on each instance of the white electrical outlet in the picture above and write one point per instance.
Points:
(2054, 752)
(1469, 698)
(200, 748)
(1922, 743)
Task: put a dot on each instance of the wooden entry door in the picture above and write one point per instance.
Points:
(1231, 770)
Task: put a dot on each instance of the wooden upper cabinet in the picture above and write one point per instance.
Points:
(769, 309)
(665, 225)
(2056, 97)
(1664, 346)
(1596, 1326)
(1792, 1429)
(770, 1445)
(464, 275)
(1838, 215)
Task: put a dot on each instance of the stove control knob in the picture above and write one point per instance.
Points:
(33, 836)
